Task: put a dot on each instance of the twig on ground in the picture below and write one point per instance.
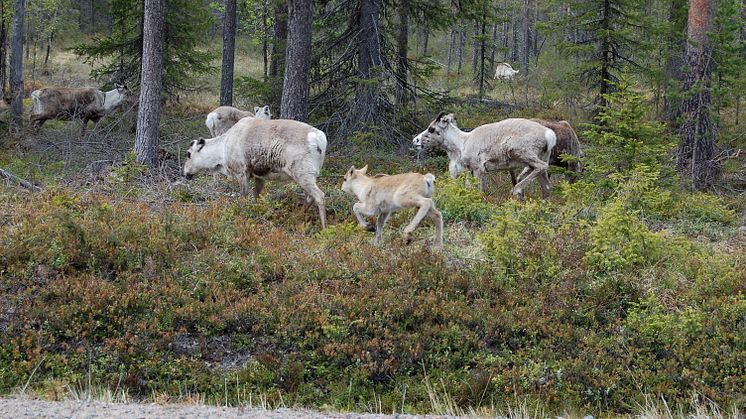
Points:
(21, 182)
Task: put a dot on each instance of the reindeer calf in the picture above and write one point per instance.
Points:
(381, 195)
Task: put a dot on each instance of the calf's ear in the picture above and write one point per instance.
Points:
(200, 143)
(256, 109)
(364, 170)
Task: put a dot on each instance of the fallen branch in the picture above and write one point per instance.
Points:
(22, 182)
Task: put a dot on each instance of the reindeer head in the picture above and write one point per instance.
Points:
(123, 90)
(352, 177)
(433, 135)
(196, 159)
(262, 112)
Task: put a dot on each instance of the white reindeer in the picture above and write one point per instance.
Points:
(510, 144)
(278, 149)
(504, 71)
(223, 117)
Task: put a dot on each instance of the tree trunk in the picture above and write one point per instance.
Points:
(482, 57)
(493, 48)
(151, 83)
(49, 49)
(451, 40)
(265, 38)
(16, 66)
(229, 53)
(296, 88)
(402, 46)
(475, 50)
(280, 39)
(514, 49)
(527, 37)
(461, 44)
(698, 133)
(606, 54)
(425, 39)
(93, 17)
(674, 66)
(3, 49)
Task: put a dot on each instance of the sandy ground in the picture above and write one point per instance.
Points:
(27, 408)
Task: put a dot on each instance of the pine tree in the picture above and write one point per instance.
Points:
(149, 115)
(229, 49)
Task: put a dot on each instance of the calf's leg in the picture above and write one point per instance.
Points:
(361, 212)
(437, 218)
(380, 223)
(425, 205)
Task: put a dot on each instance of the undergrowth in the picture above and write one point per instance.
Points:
(623, 287)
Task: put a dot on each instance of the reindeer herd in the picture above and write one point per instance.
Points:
(246, 145)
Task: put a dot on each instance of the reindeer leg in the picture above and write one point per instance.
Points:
(536, 167)
(308, 183)
(425, 205)
(438, 220)
(380, 223)
(546, 187)
(258, 186)
(512, 177)
(361, 212)
(243, 180)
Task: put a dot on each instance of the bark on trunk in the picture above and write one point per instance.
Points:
(3, 49)
(295, 91)
(151, 84)
(280, 40)
(674, 67)
(698, 133)
(461, 44)
(451, 40)
(402, 46)
(229, 49)
(527, 38)
(16, 66)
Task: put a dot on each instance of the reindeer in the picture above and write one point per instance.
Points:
(278, 149)
(86, 104)
(510, 144)
(381, 195)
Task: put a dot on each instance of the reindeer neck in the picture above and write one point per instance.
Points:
(113, 99)
(454, 140)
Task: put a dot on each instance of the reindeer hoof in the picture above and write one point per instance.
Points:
(370, 227)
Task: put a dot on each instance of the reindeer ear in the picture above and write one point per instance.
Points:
(256, 109)
(266, 108)
(364, 170)
(440, 115)
(200, 143)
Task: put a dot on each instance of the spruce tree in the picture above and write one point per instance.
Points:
(118, 55)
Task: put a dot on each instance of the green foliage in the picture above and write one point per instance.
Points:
(118, 55)
(623, 139)
(459, 199)
(619, 241)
